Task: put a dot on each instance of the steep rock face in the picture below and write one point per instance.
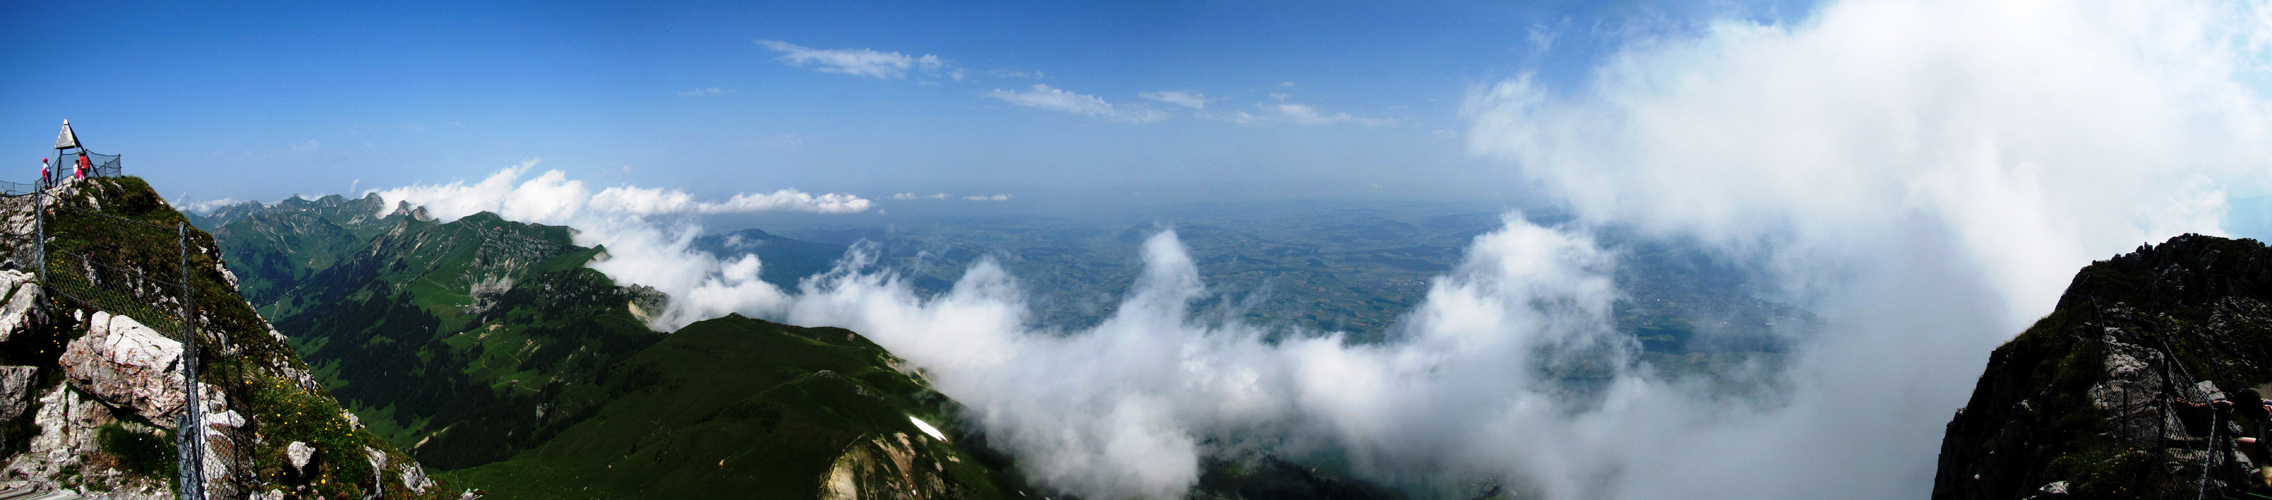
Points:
(2079, 404)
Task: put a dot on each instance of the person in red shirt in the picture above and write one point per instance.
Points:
(2247, 405)
(83, 165)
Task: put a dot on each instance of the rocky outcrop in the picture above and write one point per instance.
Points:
(129, 365)
(887, 467)
(18, 294)
(64, 454)
(2081, 403)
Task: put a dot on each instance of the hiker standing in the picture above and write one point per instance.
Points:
(83, 166)
(44, 179)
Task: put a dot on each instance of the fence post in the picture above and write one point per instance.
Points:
(191, 431)
(39, 228)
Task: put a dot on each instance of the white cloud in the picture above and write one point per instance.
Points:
(207, 206)
(703, 92)
(913, 196)
(1056, 99)
(647, 242)
(860, 62)
(1283, 112)
(998, 197)
(552, 198)
(1051, 98)
(1134, 400)
(1188, 99)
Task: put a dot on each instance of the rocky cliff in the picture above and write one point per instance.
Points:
(90, 390)
(2079, 404)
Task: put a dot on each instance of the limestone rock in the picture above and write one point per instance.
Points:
(15, 390)
(299, 453)
(128, 365)
(887, 467)
(414, 477)
(67, 435)
(21, 295)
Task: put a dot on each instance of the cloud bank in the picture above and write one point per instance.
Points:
(552, 198)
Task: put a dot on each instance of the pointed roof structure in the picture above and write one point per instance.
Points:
(66, 139)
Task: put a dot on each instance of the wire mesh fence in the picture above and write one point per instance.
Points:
(98, 165)
(17, 188)
(136, 269)
(102, 165)
(135, 293)
(123, 266)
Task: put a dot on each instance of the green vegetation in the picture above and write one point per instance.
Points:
(737, 407)
(478, 340)
(147, 454)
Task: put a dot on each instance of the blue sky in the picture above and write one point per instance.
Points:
(264, 101)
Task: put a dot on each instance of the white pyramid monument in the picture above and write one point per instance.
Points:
(65, 139)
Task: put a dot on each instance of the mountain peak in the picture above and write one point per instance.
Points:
(2085, 402)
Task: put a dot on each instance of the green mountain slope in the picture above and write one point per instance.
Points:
(447, 338)
(738, 407)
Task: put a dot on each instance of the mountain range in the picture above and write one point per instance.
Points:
(488, 347)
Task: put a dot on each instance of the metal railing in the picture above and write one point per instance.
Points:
(18, 188)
